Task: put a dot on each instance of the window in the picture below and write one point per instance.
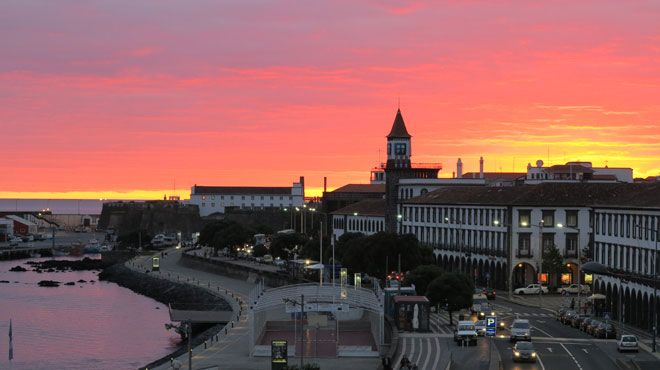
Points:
(222, 197)
(524, 218)
(242, 197)
(213, 205)
(523, 245)
(571, 245)
(548, 241)
(572, 218)
(203, 204)
(389, 149)
(400, 149)
(548, 218)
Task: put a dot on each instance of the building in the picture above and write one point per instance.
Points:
(218, 199)
(349, 194)
(6, 229)
(22, 226)
(626, 236)
(576, 171)
(399, 166)
(366, 217)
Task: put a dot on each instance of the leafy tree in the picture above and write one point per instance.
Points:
(342, 244)
(452, 290)
(259, 250)
(311, 249)
(369, 254)
(283, 244)
(224, 234)
(263, 229)
(553, 264)
(421, 276)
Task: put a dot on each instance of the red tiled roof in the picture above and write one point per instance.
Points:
(367, 207)
(234, 190)
(361, 188)
(496, 175)
(399, 127)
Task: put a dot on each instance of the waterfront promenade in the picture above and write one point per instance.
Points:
(231, 350)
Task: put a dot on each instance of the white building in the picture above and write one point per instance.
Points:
(626, 237)
(575, 172)
(366, 217)
(6, 229)
(217, 199)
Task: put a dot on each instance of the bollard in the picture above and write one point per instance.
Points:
(232, 324)
(225, 330)
(204, 344)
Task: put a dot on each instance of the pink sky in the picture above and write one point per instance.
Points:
(119, 98)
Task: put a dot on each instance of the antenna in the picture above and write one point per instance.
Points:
(398, 106)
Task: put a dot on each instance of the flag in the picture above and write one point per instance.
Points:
(11, 344)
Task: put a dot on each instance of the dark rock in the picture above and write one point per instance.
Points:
(70, 283)
(4, 281)
(18, 269)
(69, 265)
(49, 283)
(82, 281)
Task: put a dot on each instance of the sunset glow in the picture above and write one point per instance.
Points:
(137, 99)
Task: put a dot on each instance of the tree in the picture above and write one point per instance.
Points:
(421, 276)
(259, 251)
(369, 254)
(452, 290)
(284, 244)
(342, 244)
(311, 248)
(224, 234)
(553, 263)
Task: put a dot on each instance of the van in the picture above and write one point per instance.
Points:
(465, 332)
(520, 330)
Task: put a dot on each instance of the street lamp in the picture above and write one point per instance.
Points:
(399, 219)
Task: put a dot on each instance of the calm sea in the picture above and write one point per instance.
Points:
(96, 325)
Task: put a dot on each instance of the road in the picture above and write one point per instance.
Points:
(558, 346)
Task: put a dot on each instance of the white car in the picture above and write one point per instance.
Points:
(627, 343)
(15, 241)
(520, 330)
(531, 289)
(573, 289)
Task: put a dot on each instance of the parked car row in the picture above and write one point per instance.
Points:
(587, 324)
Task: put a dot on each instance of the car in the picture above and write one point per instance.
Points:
(573, 289)
(532, 289)
(560, 313)
(585, 323)
(268, 258)
(523, 351)
(480, 327)
(593, 325)
(520, 330)
(577, 320)
(568, 317)
(627, 343)
(490, 293)
(465, 332)
(15, 241)
(605, 331)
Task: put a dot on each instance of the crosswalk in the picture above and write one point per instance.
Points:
(440, 323)
(426, 351)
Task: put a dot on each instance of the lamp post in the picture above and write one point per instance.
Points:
(655, 281)
(399, 219)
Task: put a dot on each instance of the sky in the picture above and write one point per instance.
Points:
(134, 99)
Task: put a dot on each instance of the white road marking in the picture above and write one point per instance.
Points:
(541, 321)
(549, 349)
(534, 327)
(428, 354)
(570, 354)
(585, 350)
(402, 349)
(540, 362)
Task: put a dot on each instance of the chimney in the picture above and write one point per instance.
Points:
(325, 184)
(459, 169)
(481, 167)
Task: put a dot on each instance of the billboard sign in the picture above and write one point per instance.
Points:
(491, 326)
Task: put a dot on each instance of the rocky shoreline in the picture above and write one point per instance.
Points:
(166, 291)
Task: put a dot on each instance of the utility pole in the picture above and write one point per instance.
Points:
(321, 253)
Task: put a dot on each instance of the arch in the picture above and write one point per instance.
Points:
(523, 274)
(645, 313)
(639, 314)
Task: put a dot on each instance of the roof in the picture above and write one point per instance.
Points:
(410, 298)
(604, 177)
(361, 188)
(573, 168)
(642, 195)
(233, 190)
(398, 127)
(495, 175)
(20, 220)
(367, 207)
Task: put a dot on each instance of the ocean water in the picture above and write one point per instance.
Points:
(97, 325)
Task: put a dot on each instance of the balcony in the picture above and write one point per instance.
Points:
(524, 254)
(570, 254)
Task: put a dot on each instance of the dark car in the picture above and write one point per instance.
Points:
(568, 317)
(523, 351)
(605, 331)
(577, 320)
(585, 323)
(591, 328)
(560, 313)
(490, 293)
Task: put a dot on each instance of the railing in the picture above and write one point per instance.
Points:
(524, 254)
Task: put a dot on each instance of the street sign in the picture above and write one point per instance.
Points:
(491, 326)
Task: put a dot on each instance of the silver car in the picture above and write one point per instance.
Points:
(627, 343)
(520, 330)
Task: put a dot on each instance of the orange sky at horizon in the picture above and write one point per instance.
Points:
(125, 99)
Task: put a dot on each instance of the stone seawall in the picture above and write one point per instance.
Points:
(166, 292)
(246, 273)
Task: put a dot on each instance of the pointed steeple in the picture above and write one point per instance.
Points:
(399, 127)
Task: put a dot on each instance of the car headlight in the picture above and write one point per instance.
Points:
(533, 354)
(502, 324)
(517, 354)
(492, 313)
